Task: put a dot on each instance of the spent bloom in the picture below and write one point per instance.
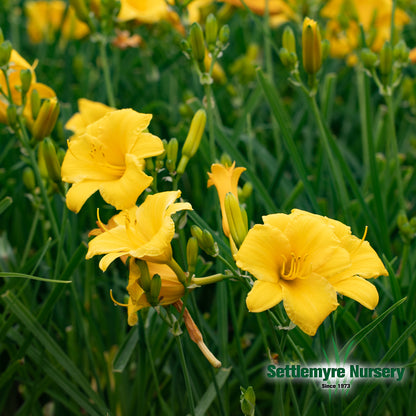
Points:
(15, 66)
(109, 156)
(143, 232)
(304, 260)
(171, 289)
(225, 179)
(47, 17)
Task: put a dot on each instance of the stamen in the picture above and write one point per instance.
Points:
(117, 303)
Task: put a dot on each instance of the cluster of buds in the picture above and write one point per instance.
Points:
(407, 228)
(314, 49)
(389, 63)
(205, 241)
(204, 50)
(150, 285)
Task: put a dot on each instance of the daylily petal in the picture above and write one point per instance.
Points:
(308, 301)
(109, 258)
(123, 193)
(262, 251)
(263, 296)
(358, 289)
(79, 193)
(279, 221)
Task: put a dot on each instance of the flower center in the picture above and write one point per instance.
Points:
(294, 267)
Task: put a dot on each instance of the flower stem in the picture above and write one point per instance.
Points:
(106, 70)
(186, 375)
(173, 264)
(201, 281)
(210, 117)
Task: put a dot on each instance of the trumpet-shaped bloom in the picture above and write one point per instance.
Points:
(170, 292)
(373, 15)
(89, 112)
(225, 180)
(16, 65)
(144, 11)
(47, 17)
(303, 260)
(143, 232)
(109, 157)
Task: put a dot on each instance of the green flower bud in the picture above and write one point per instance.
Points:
(35, 103)
(311, 46)
(196, 232)
(172, 155)
(368, 58)
(155, 286)
(192, 255)
(149, 164)
(205, 241)
(248, 401)
(11, 115)
(288, 40)
(41, 162)
(226, 160)
(29, 178)
(196, 40)
(144, 280)
(26, 80)
(401, 52)
(325, 46)
(236, 223)
(386, 59)
(5, 52)
(402, 219)
(224, 35)
(51, 160)
(46, 119)
(193, 139)
(211, 31)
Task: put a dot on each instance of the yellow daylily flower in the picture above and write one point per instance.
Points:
(89, 112)
(109, 157)
(373, 15)
(144, 11)
(16, 64)
(225, 180)
(47, 17)
(303, 260)
(195, 8)
(143, 232)
(170, 292)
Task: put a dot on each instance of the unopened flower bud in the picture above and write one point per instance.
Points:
(5, 52)
(402, 219)
(11, 115)
(288, 40)
(311, 46)
(51, 160)
(149, 164)
(196, 40)
(144, 280)
(41, 162)
(401, 52)
(386, 59)
(211, 31)
(35, 103)
(205, 241)
(224, 35)
(26, 80)
(29, 178)
(192, 255)
(155, 286)
(236, 223)
(193, 139)
(46, 119)
(248, 401)
(226, 160)
(172, 155)
(368, 58)
(325, 47)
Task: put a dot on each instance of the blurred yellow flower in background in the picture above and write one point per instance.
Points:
(145, 11)
(303, 260)
(170, 292)
(45, 18)
(225, 179)
(16, 65)
(346, 16)
(109, 156)
(143, 232)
